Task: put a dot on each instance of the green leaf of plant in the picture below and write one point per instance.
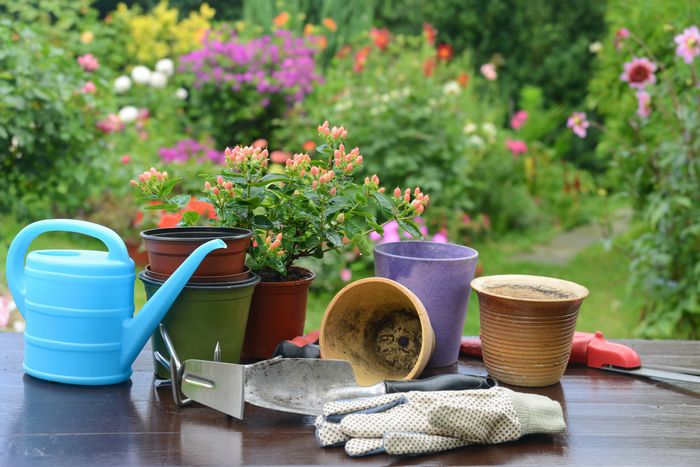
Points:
(190, 217)
(410, 227)
(334, 238)
(180, 200)
(384, 202)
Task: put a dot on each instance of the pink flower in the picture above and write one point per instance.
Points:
(125, 159)
(111, 124)
(643, 104)
(345, 275)
(639, 72)
(88, 88)
(441, 236)
(688, 44)
(620, 36)
(518, 119)
(279, 157)
(516, 146)
(5, 309)
(88, 62)
(489, 71)
(578, 124)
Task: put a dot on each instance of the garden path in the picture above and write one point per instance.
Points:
(564, 247)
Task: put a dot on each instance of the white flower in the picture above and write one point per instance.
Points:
(476, 140)
(595, 47)
(140, 74)
(158, 80)
(165, 66)
(469, 128)
(451, 88)
(128, 114)
(406, 91)
(122, 84)
(489, 130)
(18, 326)
(181, 93)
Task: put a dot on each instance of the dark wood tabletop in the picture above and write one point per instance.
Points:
(611, 419)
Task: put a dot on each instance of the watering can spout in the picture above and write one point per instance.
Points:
(138, 329)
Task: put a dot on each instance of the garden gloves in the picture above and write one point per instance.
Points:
(424, 422)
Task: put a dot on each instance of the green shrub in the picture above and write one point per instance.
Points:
(50, 157)
(655, 158)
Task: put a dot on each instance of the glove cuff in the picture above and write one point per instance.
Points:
(538, 414)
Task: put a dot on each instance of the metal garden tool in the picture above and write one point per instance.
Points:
(594, 351)
(297, 385)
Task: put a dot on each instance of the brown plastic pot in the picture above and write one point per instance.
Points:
(277, 313)
(133, 247)
(381, 328)
(203, 280)
(527, 326)
(168, 248)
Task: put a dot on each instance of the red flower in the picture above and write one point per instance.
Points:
(203, 208)
(360, 59)
(381, 37)
(463, 79)
(309, 146)
(344, 51)
(430, 33)
(429, 66)
(168, 219)
(444, 52)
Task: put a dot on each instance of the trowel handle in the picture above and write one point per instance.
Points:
(458, 382)
(20, 245)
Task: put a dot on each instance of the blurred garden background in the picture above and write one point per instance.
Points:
(557, 138)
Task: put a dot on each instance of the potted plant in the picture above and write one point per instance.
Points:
(311, 206)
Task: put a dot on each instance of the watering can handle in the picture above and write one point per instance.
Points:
(20, 245)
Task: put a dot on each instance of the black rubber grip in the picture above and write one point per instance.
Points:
(456, 382)
(288, 350)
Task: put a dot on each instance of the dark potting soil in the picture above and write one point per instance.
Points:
(295, 274)
(398, 339)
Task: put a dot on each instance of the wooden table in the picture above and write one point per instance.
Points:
(611, 418)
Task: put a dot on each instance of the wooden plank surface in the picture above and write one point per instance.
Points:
(612, 420)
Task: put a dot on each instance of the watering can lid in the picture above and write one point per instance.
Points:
(82, 262)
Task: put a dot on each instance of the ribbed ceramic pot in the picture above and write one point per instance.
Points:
(439, 274)
(381, 328)
(201, 316)
(527, 326)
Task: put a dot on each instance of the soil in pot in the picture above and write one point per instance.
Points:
(168, 248)
(277, 312)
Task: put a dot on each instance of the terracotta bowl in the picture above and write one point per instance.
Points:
(381, 328)
(527, 326)
(168, 248)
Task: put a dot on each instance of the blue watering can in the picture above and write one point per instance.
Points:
(79, 304)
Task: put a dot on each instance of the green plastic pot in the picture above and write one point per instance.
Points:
(201, 316)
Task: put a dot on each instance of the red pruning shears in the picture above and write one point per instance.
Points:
(594, 351)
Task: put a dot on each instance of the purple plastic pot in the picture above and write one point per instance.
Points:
(439, 274)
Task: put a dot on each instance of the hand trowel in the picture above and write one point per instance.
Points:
(297, 385)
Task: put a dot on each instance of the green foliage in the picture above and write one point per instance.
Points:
(656, 161)
(533, 41)
(50, 156)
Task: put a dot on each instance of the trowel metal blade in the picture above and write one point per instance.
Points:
(215, 384)
(297, 385)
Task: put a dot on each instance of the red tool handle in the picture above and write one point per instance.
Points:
(588, 349)
(310, 338)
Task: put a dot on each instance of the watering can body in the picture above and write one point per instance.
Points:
(78, 305)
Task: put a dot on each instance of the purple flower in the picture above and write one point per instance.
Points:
(279, 64)
(187, 149)
(578, 123)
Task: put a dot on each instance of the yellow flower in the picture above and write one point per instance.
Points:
(308, 29)
(330, 24)
(281, 19)
(86, 37)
